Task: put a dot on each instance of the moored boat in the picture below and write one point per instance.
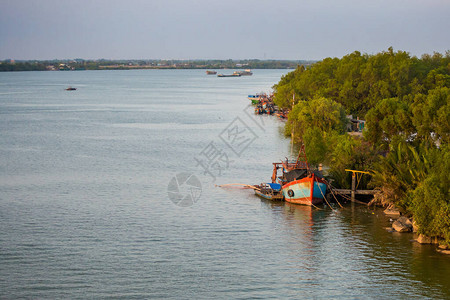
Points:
(208, 72)
(309, 190)
(257, 98)
(300, 184)
(265, 106)
(269, 191)
(254, 99)
(282, 114)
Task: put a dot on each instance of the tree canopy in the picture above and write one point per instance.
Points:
(406, 104)
(359, 81)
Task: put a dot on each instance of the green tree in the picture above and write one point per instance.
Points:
(406, 104)
(432, 115)
(347, 152)
(322, 113)
(389, 118)
(430, 203)
(315, 145)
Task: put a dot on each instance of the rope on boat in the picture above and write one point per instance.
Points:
(346, 197)
(315, 206)
(325, 198)
(331, 190)
(256, 188)
(304, 195)
(241, 184)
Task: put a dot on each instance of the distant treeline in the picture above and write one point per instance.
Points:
(22, 66)
(80, 64)
(405, 102)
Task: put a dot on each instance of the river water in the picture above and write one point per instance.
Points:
(90, 205)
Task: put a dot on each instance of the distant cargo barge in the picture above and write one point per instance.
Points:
(232, 75)
(246, 72)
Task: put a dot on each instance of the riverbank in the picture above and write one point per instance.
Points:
(403, 224)
(400, 222)
(405, 142)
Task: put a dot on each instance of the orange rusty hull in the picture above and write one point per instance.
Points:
(310, 190)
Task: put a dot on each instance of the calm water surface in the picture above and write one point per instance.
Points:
(85, 211)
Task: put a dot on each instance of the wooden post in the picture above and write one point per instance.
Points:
(353, 185)
(353, 190)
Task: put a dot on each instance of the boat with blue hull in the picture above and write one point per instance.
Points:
(255, 99)
(297, 183)
(300, 184)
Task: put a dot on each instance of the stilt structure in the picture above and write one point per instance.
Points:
(355, 174)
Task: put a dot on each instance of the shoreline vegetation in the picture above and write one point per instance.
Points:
(405, 102)
(10, 65)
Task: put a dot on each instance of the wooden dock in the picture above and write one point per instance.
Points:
(357, 192)
(353, 192)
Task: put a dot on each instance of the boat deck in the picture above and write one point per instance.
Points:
(269, 194)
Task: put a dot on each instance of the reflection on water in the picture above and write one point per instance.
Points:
(351, 248)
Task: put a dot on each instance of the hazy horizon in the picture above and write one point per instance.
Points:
(159, 59)
(206, 30)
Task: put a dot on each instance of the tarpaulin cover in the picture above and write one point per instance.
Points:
(295, 175)
(275, 186)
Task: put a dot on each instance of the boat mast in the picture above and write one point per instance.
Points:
(302, 158)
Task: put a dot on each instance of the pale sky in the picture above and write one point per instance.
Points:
(220, 29)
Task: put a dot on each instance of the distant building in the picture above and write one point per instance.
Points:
(355, 125)
(64, 67)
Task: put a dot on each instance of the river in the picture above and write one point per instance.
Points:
(92, 203)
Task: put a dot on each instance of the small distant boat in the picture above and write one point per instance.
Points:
(264, 105)
(230, 75)
(208, 72)
(282, 114)
(257, 98)
(71, 89)
(253, 98)
(264, 108)
(246, 72)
